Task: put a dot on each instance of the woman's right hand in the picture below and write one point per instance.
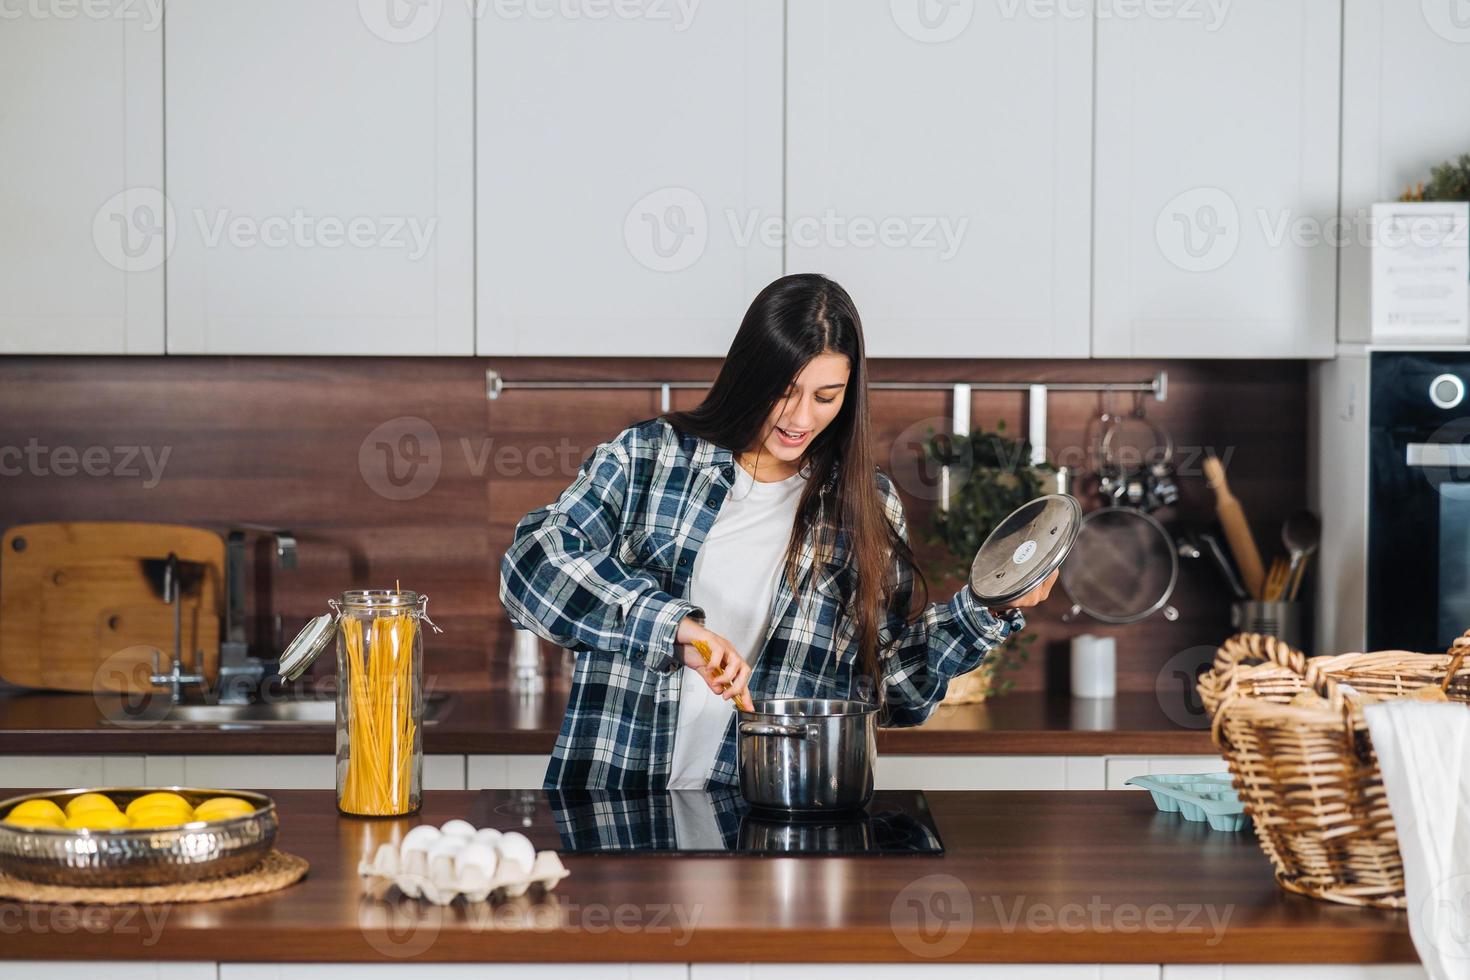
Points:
(727, 673)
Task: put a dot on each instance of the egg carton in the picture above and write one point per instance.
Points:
(1204, 797)
(439, 864)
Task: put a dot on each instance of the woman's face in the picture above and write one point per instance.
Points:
(811, 403)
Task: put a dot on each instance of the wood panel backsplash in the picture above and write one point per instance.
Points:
(304, 443)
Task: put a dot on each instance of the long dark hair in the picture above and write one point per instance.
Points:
(793, 320)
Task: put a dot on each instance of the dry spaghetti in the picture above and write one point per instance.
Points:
(379, 679)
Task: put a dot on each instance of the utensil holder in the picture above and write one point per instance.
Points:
(1282, 620)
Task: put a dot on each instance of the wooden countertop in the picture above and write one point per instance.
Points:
(498, 722)
(1090, 877)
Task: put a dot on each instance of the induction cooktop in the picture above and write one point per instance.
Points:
(708, 822)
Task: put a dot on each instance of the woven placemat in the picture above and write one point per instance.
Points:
(278, 870)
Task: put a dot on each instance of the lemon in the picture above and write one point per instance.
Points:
(152, 817)
(34, 821)
(37, 808)
(222, 808)
(87, 802)
(98, 819)
(149, 801)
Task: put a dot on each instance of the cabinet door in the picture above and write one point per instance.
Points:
(319, 164)
(628, 165)
(938, 167)
(1397, 60)
(81, 257)
(1216, 181)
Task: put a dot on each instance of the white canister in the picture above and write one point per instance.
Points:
(1094, 666)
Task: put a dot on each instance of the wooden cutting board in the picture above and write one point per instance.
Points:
(81, 607)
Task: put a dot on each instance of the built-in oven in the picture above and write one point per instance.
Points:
(1418, 587)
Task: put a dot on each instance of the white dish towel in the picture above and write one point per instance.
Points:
(1424, 752)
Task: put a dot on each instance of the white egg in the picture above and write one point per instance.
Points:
(458, 828)
(488, 836)
(385, 862)
(474, 867)
(413, 853)
(516, 850)
(441, 857)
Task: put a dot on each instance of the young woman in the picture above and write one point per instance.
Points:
(757, 523)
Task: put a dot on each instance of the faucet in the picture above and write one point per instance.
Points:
(175, 679)
(240, 674)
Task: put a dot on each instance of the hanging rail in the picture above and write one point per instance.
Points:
(1158, 385)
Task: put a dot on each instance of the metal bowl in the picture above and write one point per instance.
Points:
(165, 855)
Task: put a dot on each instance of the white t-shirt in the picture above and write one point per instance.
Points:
(734, 582)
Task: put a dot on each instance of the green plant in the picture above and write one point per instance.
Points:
(990, 475)
(1450, 181)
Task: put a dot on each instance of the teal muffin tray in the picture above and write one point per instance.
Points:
(1204, 797)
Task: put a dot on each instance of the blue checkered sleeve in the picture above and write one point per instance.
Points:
(948, 639)
(562, 579)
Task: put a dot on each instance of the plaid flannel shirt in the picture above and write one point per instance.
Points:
(605, 571)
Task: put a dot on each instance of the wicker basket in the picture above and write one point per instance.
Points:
(1306, 772)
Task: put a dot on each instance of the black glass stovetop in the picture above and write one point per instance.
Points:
(705, 822)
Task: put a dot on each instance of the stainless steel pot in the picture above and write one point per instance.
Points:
(808, 754)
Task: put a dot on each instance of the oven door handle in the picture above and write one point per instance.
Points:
(1437, 454)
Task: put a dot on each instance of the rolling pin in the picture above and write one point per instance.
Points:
(1237, 531)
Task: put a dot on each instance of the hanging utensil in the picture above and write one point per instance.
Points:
(1215, 551)
(1301, 533)
(1124, 567)
(1237, 531)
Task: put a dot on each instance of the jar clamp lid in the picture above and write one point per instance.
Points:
(317, 634)
(1025, 548)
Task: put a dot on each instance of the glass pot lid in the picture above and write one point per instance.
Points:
(1025, 548)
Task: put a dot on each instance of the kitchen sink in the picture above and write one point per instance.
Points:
(287, 711)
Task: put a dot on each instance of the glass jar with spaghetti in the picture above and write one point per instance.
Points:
(380, 696)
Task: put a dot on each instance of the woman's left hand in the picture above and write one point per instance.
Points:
(1037, 595)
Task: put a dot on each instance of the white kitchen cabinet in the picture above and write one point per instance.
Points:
(622, 156)
(1216, 181)
(111, 969)
(1399, 60)
(505, 771)
(81, 257)
(940, 170)
(1297, 971)
(970, 772)
(1123, 768)
(279, 771)
(70, 771)
(937, 971)
(320, 169)
(453, 971)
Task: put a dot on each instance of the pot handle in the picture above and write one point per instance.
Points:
(808, 732)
